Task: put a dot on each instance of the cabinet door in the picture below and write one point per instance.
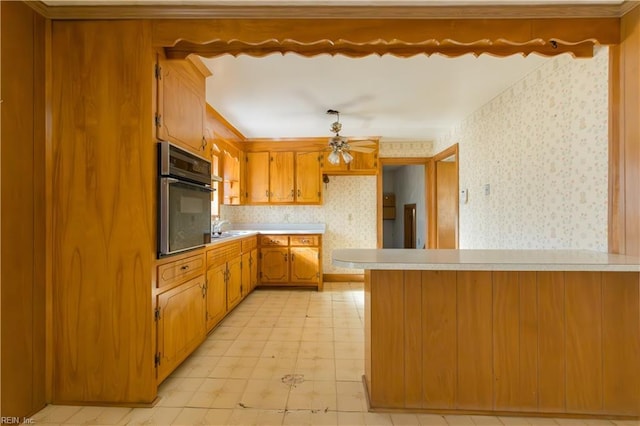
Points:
(281, 182)
(257, 177)
(305, 265)
(365, 163)
(274, 265)
(308, 177)
(216, 295)
(234, 282)
(181, 104)
(328, 168)
(253, 269)
(246, 274)
(181, 324)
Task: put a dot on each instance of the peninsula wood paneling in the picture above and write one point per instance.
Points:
(23, 213)
(523, 342)
(621, 327)
(387, 325)
(551, 341)
(474, 389)
(439, 342)
(103, 212)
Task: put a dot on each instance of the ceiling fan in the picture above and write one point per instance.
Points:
(340, 145)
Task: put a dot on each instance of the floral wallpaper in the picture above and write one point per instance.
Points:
(390, 149)
(534, 161)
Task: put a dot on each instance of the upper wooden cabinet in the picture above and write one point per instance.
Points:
(180, 115)
(362, 164)
(283, 178)
(231, 178)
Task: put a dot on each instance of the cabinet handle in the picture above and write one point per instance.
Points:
(266, 193)
(204, 143)
(299, 193)
(204, 291)
(286, 257)
(184, 267)
(305, 241)
(292, 257)
(292, 193)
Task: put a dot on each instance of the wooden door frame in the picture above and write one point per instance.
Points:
(399, 161)
(432, 204)
(413, 208)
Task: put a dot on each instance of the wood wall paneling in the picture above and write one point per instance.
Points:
(413, 339)
(23, 216)
(387, 339)
(474, 333)
(104, 218)
(621, 345)
(529, 332)
(439, 339)
(506, 344)
(551, 341)
(583, 304)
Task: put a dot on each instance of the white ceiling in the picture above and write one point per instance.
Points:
(396, 98)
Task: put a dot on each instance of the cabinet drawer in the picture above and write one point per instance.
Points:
(249, 244)
(223, 253)
(274, 240)
(304, 240)
(180, 270)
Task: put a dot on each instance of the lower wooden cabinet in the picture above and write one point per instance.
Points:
(180, 317)
(291, 260)
(234, 282)
(216, 307)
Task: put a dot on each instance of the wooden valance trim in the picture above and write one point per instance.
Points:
(407, 37)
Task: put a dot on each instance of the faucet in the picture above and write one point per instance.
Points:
(217, 225)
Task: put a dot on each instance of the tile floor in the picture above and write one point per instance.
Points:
(280, 358)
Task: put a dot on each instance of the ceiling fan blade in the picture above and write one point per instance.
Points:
(362, 149)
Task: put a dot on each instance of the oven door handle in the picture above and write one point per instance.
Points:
(195, 185)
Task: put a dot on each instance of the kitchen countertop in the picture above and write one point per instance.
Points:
(484, 260)
(281, 228)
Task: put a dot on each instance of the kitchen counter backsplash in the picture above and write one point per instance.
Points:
(282, 228)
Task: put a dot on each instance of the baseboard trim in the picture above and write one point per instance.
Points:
(342, 278)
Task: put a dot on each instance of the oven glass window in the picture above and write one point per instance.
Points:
(189, 216)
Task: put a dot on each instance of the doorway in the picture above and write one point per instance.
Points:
(402, 181)
(443, 200)
(409, 226)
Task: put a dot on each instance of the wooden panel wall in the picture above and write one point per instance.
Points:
(104, 217)
(519, 342)
(23, 217)
(624, 139)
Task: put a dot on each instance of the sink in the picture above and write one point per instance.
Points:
(230, 233)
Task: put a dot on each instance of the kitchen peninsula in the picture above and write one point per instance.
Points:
(528, 332)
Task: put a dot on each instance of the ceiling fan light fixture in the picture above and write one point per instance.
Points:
(334, 158)
(346, 157)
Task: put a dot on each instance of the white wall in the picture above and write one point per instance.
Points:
(542, 147)
(409, 189)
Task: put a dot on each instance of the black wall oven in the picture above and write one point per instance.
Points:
(184, 186)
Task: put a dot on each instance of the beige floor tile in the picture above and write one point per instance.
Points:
(314, 350)
(309, 417)
(313, 395)
(265, 394)
(255, 333)
(626, 422)
(217, 416)
(317, 334)
(431, 420)
(349, 350)
(215, 347)
(515, 421)
(323, 322)
(226, 333)
(289, 322)
(237, 320)
(98, 416)
(486, 420)
(234, 367)
(348, 334)
(273, 368)
(290, 334)
(298, 313)
(584, 422)
(196, 366)
(243, 416)
(459, 420)
(377, 419)
(352, 418)
(176, 398)
(404, 419)
(349, 369)
(280, 350)
(219, 393)
(152, 416)
(348, 323)
(262, 322)
(55, 413)
(316, 369)
(190, 416)
(351, 397)
(244, 348)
